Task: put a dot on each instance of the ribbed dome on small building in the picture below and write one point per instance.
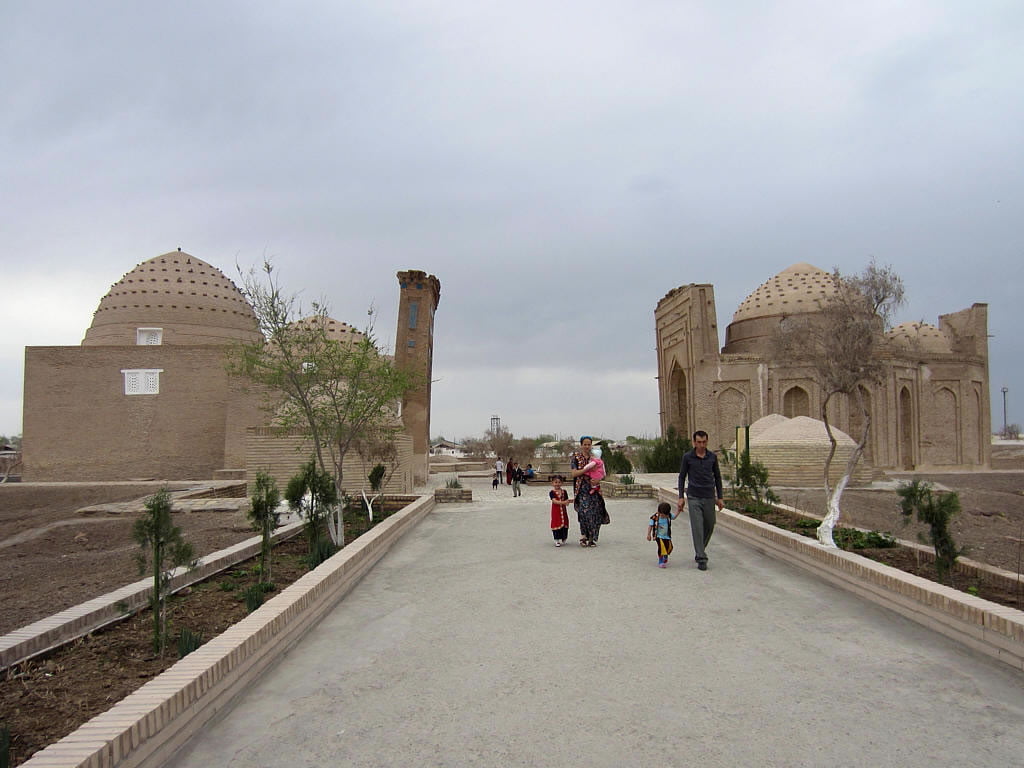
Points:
(799, 289)
(333, 329)
(794, 451)
(172, 299)
(920, 337)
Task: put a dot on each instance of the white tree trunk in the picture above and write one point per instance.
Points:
(832, 515)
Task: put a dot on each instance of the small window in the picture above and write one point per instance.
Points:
(411, 343)
(414, 310)
(149, 336)
(142, 381)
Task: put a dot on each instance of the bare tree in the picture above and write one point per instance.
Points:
(342, 392)
(499, 440)
(843, 346)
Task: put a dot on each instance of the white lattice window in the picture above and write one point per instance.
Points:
(149, 336)
(142, 381)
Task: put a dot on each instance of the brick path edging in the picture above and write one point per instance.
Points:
(148, 726)
(79, 620)
(991, 628)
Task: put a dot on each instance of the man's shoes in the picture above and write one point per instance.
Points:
(702, 565)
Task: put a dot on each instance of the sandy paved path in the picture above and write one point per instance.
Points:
(475, 642)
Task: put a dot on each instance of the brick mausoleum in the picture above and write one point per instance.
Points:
(148, 394)
(931, 412)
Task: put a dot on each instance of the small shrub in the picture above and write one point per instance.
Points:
(5, 746)
(851, 538)
(627, 479)
(376, 476)
(188, 641)
(453, 482)
(323, 550)
(226, 585)
(263, 516)
(973, 590)
(253, 597)
(935, 510)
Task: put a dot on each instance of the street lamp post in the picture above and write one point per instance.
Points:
(1005, 390)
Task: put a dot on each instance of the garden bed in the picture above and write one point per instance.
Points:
(883, 548)
(46, 698)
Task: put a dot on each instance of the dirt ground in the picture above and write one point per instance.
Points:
(52, 559)
(990, 527)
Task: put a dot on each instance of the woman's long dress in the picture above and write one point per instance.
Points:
(589, 507)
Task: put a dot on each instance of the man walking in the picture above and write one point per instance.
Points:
(499, 470)
(703, 493)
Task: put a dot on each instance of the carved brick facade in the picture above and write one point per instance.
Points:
(932, 410)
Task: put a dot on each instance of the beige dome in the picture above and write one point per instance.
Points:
(794, 451)
(796, 289)
(334, 329)
(187, 300)
(921, 337)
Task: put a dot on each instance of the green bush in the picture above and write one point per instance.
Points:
(627, 479)
(665, 454)
(452, 482)
(5, 746)
(376, 476)
(323, 550)
(188, 641)
(253, 597)
(935, 510)
(851, 538)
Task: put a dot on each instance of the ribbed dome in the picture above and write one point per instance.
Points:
(796, 289)
(334, 329)
(190, 301)
(921, 337)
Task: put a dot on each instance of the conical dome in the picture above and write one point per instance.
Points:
(189, 301)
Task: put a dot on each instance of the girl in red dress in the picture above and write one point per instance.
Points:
(559, 517)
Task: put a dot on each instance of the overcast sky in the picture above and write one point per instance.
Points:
(559, 166)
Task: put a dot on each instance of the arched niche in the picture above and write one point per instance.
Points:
(796, 402)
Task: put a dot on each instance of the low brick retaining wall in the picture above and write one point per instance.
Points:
(78, 621)
(615, 490)
(993, 629)
(149, 725)
(453, 495)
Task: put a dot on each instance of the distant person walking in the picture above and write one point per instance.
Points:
(700, 487)
(559, 516)
(589, 506)
(499, 468)
(517, 479)
(508, 471)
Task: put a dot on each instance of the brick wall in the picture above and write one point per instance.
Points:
(281, 454)
(80, 425)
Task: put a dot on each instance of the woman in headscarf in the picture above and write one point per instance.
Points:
(589, 506)
(508, 471)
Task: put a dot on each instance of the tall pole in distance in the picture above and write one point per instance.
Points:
(1005, 390)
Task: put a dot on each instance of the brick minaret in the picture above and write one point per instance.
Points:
(419, 296)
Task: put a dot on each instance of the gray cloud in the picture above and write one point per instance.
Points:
(559, 168)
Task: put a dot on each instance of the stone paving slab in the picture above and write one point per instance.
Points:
(477, 642)
(134, 508)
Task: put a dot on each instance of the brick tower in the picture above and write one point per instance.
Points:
(419, 296)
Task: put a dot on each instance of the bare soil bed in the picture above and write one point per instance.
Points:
(52, 559)
(46, 698)
(989, 528)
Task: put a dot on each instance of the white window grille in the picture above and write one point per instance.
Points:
(142, 381)
(149, 336)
